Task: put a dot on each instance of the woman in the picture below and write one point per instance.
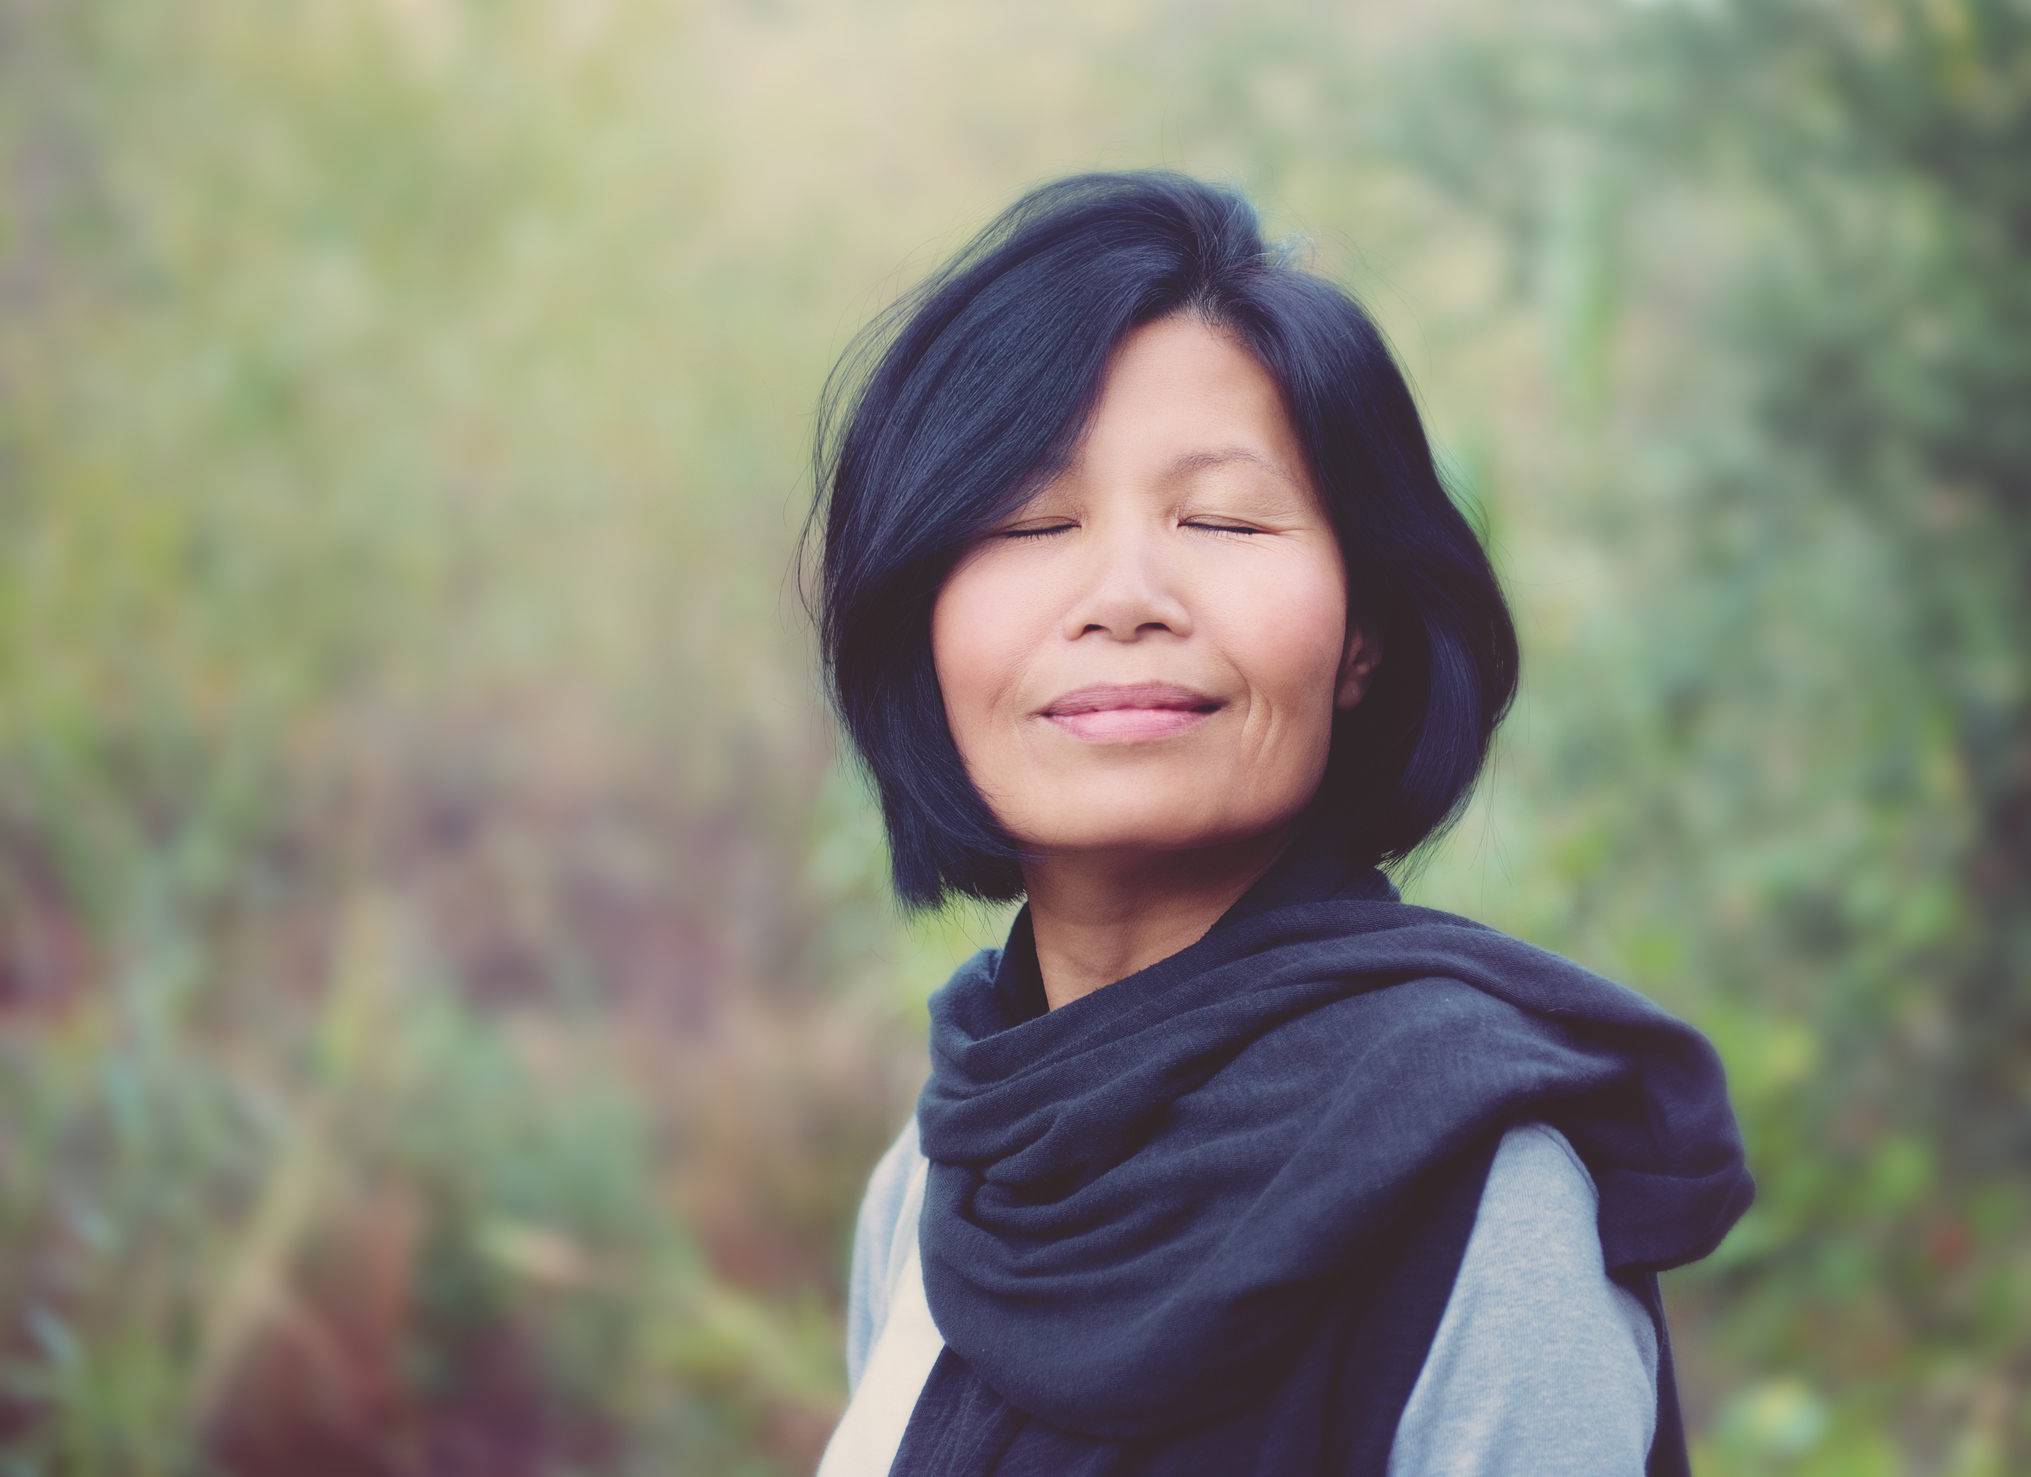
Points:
(1141, 598)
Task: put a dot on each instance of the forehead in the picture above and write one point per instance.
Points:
(1183, 392)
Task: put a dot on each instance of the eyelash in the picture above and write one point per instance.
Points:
(1203, 527)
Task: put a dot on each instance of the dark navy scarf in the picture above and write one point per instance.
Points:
(1205, 1219)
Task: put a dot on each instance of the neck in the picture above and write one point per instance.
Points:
(1101, 916)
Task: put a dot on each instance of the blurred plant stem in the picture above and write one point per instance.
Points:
(296, 1183)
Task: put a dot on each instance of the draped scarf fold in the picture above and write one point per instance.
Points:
(1139, 1203)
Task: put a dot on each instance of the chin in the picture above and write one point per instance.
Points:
(1151, 826)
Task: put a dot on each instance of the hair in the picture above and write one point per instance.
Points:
(962, 398)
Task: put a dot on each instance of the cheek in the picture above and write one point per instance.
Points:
(974, 644)
(1292, 643)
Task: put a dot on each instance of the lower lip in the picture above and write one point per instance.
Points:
(1128, 725)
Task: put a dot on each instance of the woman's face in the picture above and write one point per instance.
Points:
(1148, 654)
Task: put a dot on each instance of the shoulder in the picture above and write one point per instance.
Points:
(891, 1177)
(879, 1242)
(1540, 1362)
(1538, 1211)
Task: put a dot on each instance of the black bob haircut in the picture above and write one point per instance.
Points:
(962, 398)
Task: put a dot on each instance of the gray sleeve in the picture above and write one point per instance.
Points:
(1540, 1364)
(874, 1235)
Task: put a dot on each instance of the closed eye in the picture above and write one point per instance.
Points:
(1038, 531)
(1214, 525)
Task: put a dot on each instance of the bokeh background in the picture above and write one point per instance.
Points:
(448, 1000)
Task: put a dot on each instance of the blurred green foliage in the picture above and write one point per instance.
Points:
(447, 998)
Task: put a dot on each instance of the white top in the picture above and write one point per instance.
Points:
(1540, 1363)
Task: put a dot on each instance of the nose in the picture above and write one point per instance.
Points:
(1127, 590)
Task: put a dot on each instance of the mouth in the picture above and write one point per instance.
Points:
(1130, 714)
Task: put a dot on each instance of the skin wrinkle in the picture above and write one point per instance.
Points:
(1183, 543)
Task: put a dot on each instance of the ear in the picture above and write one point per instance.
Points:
(1357, 665)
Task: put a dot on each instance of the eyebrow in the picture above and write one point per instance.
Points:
(1199, 461)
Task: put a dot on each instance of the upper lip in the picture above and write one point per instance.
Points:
(1131, 695)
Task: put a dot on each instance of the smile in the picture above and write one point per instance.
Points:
(1130, 714)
